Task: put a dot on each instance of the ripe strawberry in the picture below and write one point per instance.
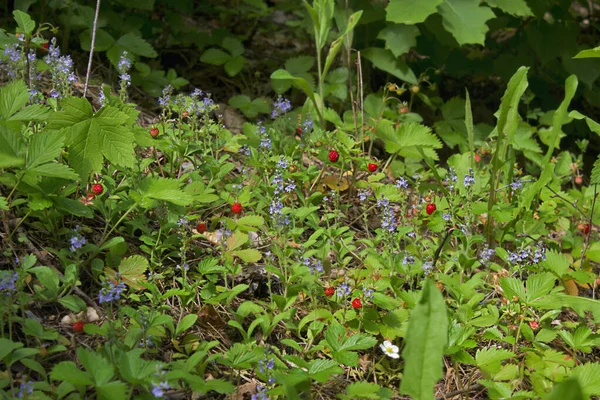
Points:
(586, 229)
(201, 227)
(299, 131)
(78, 327)
(356, 303)
(45, 46)
(372, 167)
(236, 208)
(578, 179)
(477, 157)
(430, 209)
(154, 132)
(329, 291)
(97, 189)
(334, 156)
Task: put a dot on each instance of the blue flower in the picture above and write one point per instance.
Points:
(516, 185)
(26, 388)
(469, 178)
(401, 183)
(280, 107)
(111, 292)
(77, 241)
(8, 282)
(158, 390)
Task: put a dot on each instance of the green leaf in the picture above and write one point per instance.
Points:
(186, 323)
(34, 112)
(132, 270)
(595, 178)
(587, 375)
(54, 170)
(466, 20)
(426, 338)
(215, 57)
(556, 262)
(589, 53)
(490, 360)
(67, 371)
(13, 97)
(24, 22)
(235, 65)
(560, 116)
(566, 390)
(518, 8)
(410, 12)
(399, 38)
(386, 61)
(3, 206)
(233, 46)
(8, 346)
(248, 255)
(321, 370)
(99, 367)
(134, 44)
(44, 147)
(90, 137)
(164, 189)
(112, 391)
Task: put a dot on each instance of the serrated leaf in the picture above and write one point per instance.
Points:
(13, 97)
(386, 61)
(399, 38)
(25, 23)
(321, 370)
(566, 390)
(298, 65)
(67, 371)
(90, 137)
(466, 20)
(233, 46)
(132, 271)
(164, 189)
(215, 57)
(235, 65)
(136, 45)
(54, 170)
(518, 8)
(410, 12)
(556, 262)
(248, 255)
(34, 112)
(426, 338)
(587, 375)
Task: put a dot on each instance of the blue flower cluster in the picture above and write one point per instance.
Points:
(313, 264)
(280, 107)
(388, 217)
(111, 292)
(77, 241)
(526, 256)
(61, 68)
(8, 282)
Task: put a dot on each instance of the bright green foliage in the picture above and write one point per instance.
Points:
(425, 340)
(399, 38)
(514, 7)
(410, 12)
(91, 137)
(466, 20)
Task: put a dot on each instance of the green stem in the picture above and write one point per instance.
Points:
(104, 237)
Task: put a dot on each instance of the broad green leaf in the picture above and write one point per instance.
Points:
(3, 206)
(186, 323)
(164, 189)
(337, 44)
(134, 44)
(25, 23)
(54, 170)
(556, 262)
(490, 360)
(99, 367)
(112, 391)
(13, 97)
(386, 61)
(34, 112)
(237, 240)
(595, 178)
(466, 20)
(399, 38)
(132, 270)
(248, 255)
(235, 65)
(426, 338)
(587, 375)
(8, 346)
(589, 53)
(512, 287)
(44, 147)
(215, 57)
(91, 137)
(321, 370)
(518, 8)
(410, 12)
(104, 41)
(233, 46)
(67, 371)
(566, 390)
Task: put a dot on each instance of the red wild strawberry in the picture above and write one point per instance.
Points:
(477, 157)
(579, 179)
(586, 229)
(299, 131)
(356, 303)
(201, 227)
(78, 327)
(236, 208)
(334, 156)
(430, 209)
(45, 46)
(372, 167)
(97, 189)
(154, 132)
(329, 291)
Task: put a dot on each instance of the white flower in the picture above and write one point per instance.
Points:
(389, 349)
